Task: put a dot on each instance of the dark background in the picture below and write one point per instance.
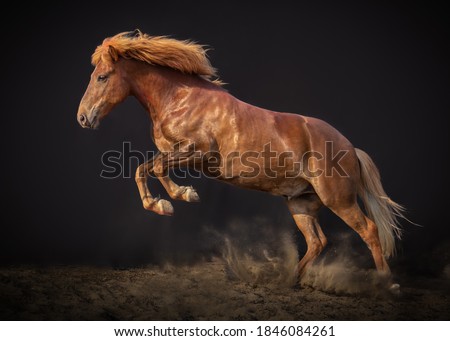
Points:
(378, 73)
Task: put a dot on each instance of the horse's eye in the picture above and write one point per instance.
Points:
(102, 78)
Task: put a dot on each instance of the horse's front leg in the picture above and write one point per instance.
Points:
(161, 167)
(150, 203)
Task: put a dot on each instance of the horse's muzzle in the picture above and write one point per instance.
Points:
(84, 121)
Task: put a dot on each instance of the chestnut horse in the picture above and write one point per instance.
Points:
(311, 163)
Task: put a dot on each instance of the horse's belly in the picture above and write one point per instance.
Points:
(277, 186)
(291, 187)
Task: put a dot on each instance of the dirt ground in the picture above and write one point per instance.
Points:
(214, 290)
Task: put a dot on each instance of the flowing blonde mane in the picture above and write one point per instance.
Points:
(182, 55)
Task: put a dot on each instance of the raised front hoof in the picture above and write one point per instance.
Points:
(160, 206)
(191, 195)
(187, 193)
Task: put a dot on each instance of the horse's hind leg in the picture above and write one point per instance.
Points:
(368, 231)
(304, 209)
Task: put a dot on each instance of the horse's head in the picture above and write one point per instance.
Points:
(106, 89)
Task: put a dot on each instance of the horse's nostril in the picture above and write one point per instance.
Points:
(82, 119)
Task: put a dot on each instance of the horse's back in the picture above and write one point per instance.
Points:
(307, 134)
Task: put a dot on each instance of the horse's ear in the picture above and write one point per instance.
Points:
(137, 33)
(133, 34)
(113, 53)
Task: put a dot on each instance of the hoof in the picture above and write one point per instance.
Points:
(160, 206)
(191, 195)
(163, 207)
(395, 289)
(188, 194)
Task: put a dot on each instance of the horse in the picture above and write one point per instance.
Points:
(196, 122)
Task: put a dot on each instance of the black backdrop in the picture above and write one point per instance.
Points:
(378, 73)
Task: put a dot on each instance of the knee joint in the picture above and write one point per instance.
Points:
(140, 174)
(159, 170)
(315, 246)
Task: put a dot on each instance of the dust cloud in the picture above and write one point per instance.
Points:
(263, 265)
(341, 276)
(257, 253)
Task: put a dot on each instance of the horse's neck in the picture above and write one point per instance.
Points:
(150, 88)
(159, 89)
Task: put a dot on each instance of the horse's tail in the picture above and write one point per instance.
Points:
(380, 208)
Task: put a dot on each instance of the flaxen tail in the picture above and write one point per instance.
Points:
(380, 208)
